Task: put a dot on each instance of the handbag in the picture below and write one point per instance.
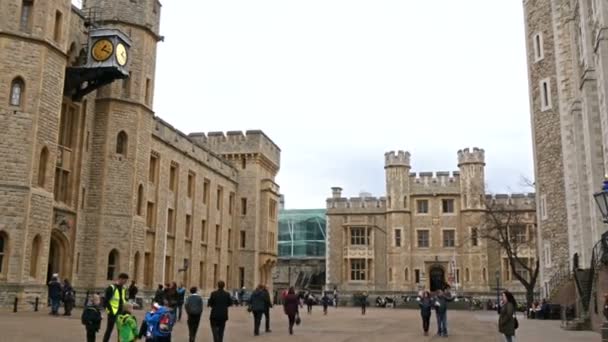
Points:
(298, 320)
(515, 322)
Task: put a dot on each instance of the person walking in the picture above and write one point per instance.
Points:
(181, 295)
(171, 296)
(291, 305)
(267, 307)
(325, 301)
(310, 300)
(194, 310)
(363, 303)
(506, 320)
(55, 294)
(68, 296)
(441, 309)
(257, 305)
(219, 301)
(426, 305)
(133, 291)
(91, 318)
(114, 299)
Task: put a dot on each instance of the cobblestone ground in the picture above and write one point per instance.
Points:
(340, 325)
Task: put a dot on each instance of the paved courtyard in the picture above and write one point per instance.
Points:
(341, 325)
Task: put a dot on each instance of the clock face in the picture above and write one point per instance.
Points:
(121, 54)
(102, 50)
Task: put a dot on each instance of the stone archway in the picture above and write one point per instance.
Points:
(58, 256)
(437, 278)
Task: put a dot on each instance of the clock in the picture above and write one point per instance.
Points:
(102, 50)
(121, 54)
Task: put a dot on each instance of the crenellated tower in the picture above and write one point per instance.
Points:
(397, 169)
(472, 181)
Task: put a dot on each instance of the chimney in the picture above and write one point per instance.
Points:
(336, 192)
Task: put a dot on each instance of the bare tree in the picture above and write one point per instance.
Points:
(508, 224)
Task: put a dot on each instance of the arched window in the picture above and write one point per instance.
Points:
(121, 143)
(112, 264)
(36, 244)
(17, 89)
(44, 157)
(3, 252)
(136, 266)
(140, 200)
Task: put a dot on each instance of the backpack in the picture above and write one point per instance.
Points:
(160, 323)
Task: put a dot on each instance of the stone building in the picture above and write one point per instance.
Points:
(424, 233)
(93, 184)
(567, 54)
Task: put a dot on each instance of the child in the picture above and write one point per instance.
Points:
(126, 324)
(157, 324)
(91, 318)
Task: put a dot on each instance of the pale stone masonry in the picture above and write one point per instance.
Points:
(92, 188)
(422, 233)
(567, 55)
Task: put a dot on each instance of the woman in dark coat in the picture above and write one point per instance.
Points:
(426, 305)
(506, 321)
(291, 306)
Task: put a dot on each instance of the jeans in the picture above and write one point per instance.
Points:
(442, 324)
(109, 328)
(426, 321)
(178, 311)
(193, 322)
(55, 303)
(257, 320)
(267, 319)
(509, 338)
(292, 321)
(217, 328)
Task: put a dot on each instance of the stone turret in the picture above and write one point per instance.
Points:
(472, 179)
(397, 168)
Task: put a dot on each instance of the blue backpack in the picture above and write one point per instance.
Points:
(159, 323)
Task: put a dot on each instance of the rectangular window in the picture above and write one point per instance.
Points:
(206, 186)
(220, 194)
(84, 192)
(168, 270)
(423, 238)
(215, 275)
(449, 238)
(518, 234)
(467, 275)
(148, 91)
(457, 276)
(58, 22)
(417, 276)
(358, 236)
(547, 253)
(62, 193)
(241, 277)
(545, 94)
(272, 209)
(152, 172)
(484, 277)
(543, 207)
(126, 86)
(201, 275)
(357, 269)
(243, 239)
(474, 237)
(447, 206)
(538, 47)
(170, 222)
(149, 268)
(228, 285)
(243, 206)
(230, 203)
(203, 230)
(218, 236)
(191, 182)
(26, 15)
(229, 238)
(422, 206)
(188, 227)
(397, 237)
(521, 270)
(150, 216)
(173, 177)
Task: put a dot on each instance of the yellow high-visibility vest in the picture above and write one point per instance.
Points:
(115, 300)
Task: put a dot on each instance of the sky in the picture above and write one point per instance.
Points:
(337, 83)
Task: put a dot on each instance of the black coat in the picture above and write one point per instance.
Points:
(55, 290)
(259, 301)
(219, 301)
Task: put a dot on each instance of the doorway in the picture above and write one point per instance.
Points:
(57, 257)
(437, 278)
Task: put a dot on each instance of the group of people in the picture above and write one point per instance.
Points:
(61, 292)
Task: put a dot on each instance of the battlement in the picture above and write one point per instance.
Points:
(367, 202)
(476, 156)
(238, 142)
(517, 200)
(182, 142)
(397, 158)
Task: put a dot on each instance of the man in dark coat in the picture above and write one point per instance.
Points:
(268, 303)
(219, 301)
(133, 291)
(159, 295)
(194, 309)
(68, 296)
(257, 305)
(55, 294)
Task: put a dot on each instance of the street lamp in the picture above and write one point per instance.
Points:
(497, 290)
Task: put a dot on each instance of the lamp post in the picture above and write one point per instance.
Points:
(497, 291)
(601, 198)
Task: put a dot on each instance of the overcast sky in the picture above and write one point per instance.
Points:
(336, 83)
